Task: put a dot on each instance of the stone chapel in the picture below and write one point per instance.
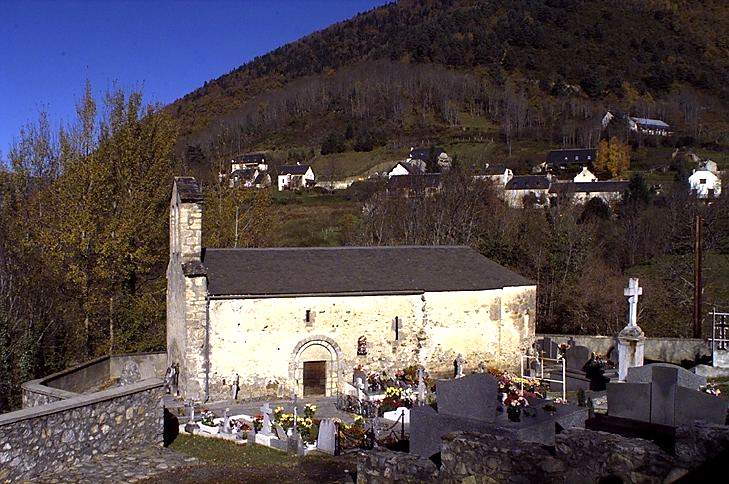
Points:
(301, 319)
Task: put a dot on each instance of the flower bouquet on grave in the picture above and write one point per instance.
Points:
(309, 410)
(207, 422)
(711, 389)
(258, 422)
(515, 402)
(239, 427)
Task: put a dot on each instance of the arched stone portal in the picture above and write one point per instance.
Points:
(315, 366)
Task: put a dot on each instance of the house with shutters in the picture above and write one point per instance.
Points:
(283, 320)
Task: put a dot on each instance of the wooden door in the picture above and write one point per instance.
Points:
(315, 377)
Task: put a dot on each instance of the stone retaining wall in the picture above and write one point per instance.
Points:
(48, 437)
(670, 350)
(579, 455)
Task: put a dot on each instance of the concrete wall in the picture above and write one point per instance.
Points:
(37, 440)
(264, 340)
(671, 350)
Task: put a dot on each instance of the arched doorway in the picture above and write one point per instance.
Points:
(315, 366)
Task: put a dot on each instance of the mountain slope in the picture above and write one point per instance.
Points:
(602, 49)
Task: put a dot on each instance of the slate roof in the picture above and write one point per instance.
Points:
(528, 182)
(414, 182)
(493, 169)
(293, 170)
(353, 270)
(188, 189)
(589, 187)
(572, 156)
(652, 123)
(250, 158)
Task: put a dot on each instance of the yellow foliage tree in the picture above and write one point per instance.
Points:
(613, 156)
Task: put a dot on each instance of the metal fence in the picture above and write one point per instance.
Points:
(544, 365)
(719, 331)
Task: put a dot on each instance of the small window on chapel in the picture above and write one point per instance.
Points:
(396, 327)
(309, 318)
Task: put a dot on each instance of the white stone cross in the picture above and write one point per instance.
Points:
(633, 291)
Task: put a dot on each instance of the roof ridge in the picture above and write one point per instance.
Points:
(342, 247)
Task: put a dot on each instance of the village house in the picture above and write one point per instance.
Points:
(705, 184)
(526, 190)
(570, 158)
(249, 178)
(285, 320)
(584, 176)
(582, 192)
(643, 126)
(435, 154)
(498, 174)
(413, 167)
(296, 177)
(250, 160)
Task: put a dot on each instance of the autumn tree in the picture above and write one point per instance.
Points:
(613, 157)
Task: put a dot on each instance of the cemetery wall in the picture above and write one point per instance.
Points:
(40, 439)
(379, 466)
(264, 339)
(670, 350)
(88, 376)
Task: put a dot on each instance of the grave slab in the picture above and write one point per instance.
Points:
(629, 400)
(692, 405)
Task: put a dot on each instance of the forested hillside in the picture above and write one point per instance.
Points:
(537, 70)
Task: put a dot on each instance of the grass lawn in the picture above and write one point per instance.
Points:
(222, 461)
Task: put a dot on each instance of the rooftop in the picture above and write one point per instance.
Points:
(528, 182)
(294, 169)
(353, 270)
(188, 189)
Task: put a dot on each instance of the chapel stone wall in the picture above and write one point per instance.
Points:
(257, 338)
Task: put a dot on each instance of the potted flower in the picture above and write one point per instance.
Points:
(515, 402)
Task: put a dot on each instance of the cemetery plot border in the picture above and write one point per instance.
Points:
(558, 362)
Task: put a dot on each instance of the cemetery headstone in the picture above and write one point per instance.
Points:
(473, 396)
(266, 411)
(421, 386)
(295, 444)
(327, 439)
(547, 348)
(226, 422)
(576, 357)
(191, 426)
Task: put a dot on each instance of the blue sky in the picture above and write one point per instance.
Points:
(166, 48)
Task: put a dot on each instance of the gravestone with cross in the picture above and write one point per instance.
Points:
(631, 340)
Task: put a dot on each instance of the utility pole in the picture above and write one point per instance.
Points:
(698, 287)
(236, 226)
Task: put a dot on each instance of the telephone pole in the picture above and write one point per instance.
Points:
(698, 287)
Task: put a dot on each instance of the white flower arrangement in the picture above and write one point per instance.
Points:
(711, 389)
